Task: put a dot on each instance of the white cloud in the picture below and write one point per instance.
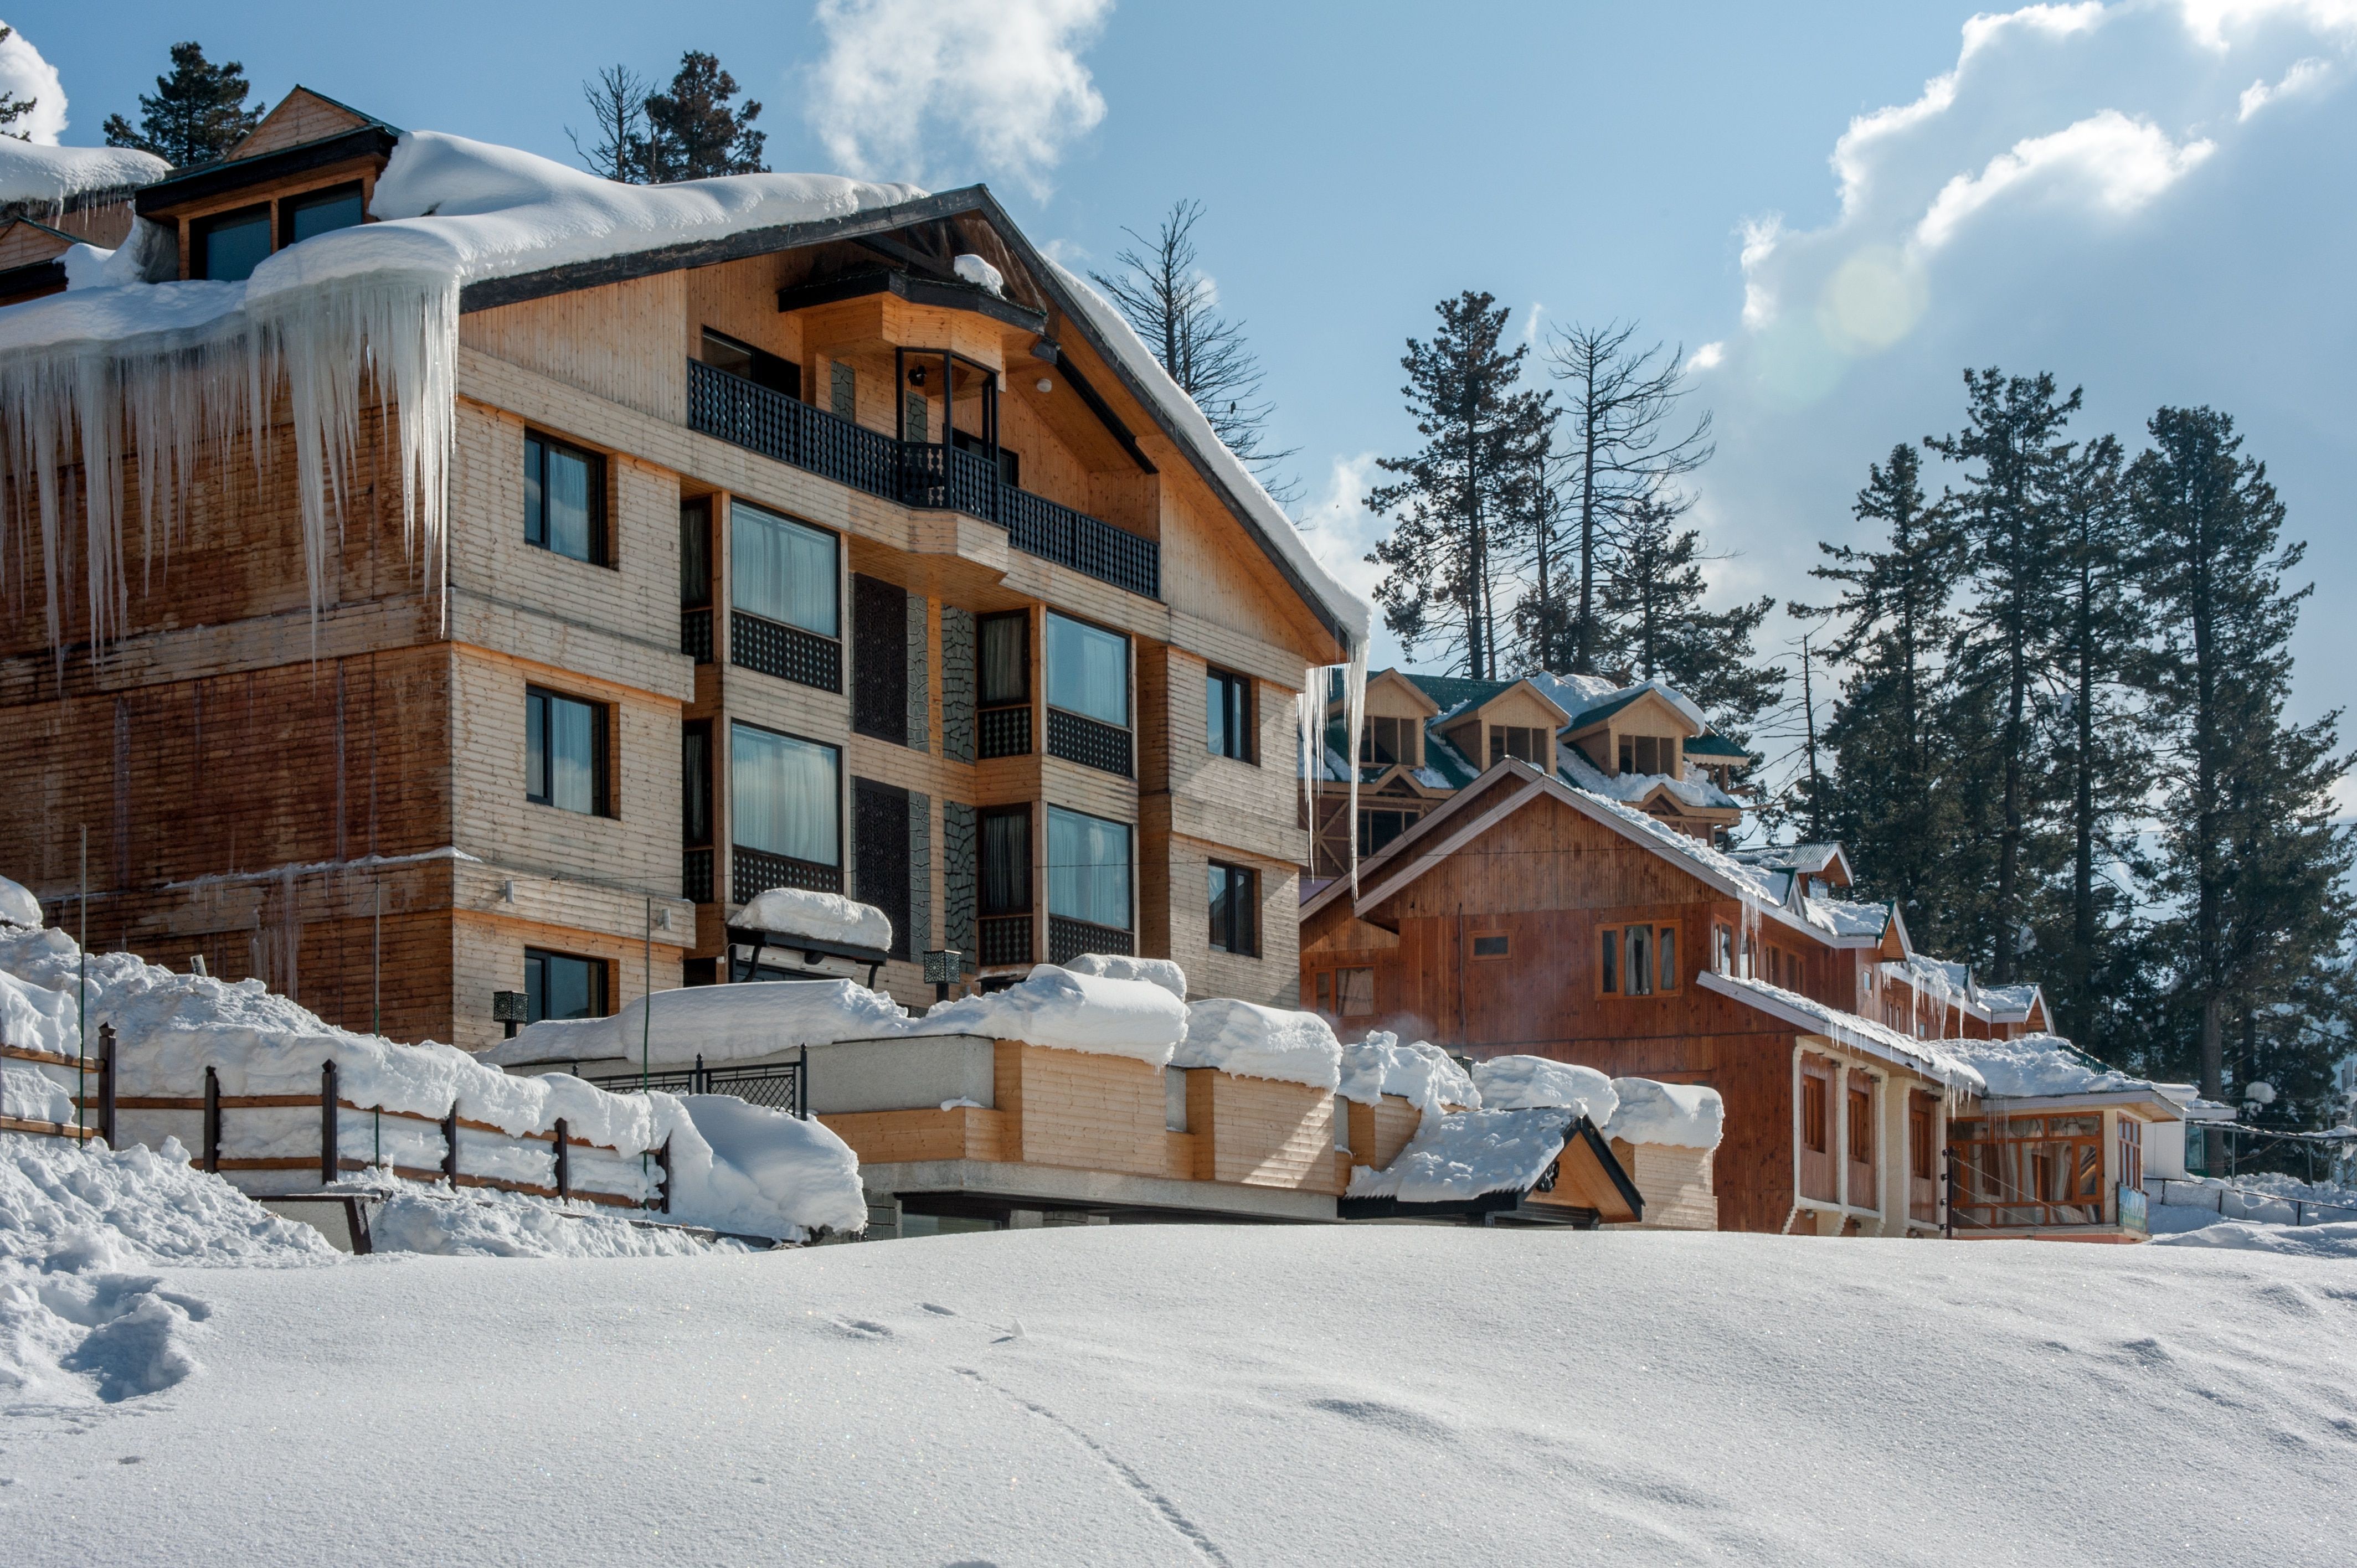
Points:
(1706, 358)
(2305, 75)
(1340, 530)
(24, 74)
(2115, 161)
(909, 85)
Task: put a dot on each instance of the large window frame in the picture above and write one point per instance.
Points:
(544, 966)
(1088, 699)
(541, 454)
(745, 813)
(1229, 718)
(556, 719)
(1084, 889)
(1388, 741)
(1636, 959)
(796, 566)
(350, 197)
(1344, 994)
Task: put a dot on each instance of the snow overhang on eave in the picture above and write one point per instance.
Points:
(2161, 1107)
(1854, 1033)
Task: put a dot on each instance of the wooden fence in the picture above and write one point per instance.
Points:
(100, 1066)
(331, 1162)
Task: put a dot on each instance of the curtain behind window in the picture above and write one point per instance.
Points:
(1087, 671)
(782, 795)
(1007, 862)
(781, 570)
(1088, 869)
(1006, 676)
(572, 755)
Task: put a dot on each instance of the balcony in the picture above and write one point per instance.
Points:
(753, 872)
(1005, 732)
(1086, 741)
(1068, 938)
(695, 875)
(786, 651)
(695, 635)
(916, 474)
(1006, 939)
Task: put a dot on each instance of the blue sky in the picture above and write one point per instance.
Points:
(2149, 197)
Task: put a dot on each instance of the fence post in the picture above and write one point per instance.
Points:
(801, 1084)
(700, 1086)
(212, 1119)
(327, 1149)
(106, 1083)
(563, 1172)
(1948, 1214)
(450, 1146)
(662, 1163)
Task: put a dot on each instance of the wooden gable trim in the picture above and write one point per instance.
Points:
(1394, 680)
(1448, 845)
(301, 116)
(1613, 720)
(1520, 688)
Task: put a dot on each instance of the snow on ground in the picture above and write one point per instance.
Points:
(1194, 1395)
(506, 1224)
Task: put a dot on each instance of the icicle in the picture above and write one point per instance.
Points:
(1309, 707)
(1354, 709)
(184, 393)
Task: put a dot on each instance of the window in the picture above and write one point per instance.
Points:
(781, 570)
(1088, 868)
(321, 211)
(1919, 1139)
(1235, 910)
(1378, 828)
(695, 783)
(1005, 660)
(1648, 753)
(2131, 1152)
(1723, 948)
(1813, 1126)
(763, 369)
(1861, 1124)
(1389, 741)
(1087, 671)
(1346, 992)
(1522, 745)
(1010, 466)
(1228, 707)
(1006, 861)
(784, 795)
(1494, 945)
(695, 554)
(564, 498)
(560, 985)
(230, 247)
(1639, 960)
(564, 752)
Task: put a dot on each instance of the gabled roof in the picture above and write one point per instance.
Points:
(1588, 719)
(1930, 1058)
(306, 131)
(302, 117)
(1709, 745)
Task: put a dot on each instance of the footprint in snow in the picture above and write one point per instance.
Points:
(937, 1311)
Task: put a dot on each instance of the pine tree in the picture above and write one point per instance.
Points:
(1654, 596)
(694, 132)
(1172, 305)
(1461, 499)
(1893, 622)
(1619, 405)
(195, 116)
(2009, 518)
(2101, 751)
(2254, 868)
(13, 108)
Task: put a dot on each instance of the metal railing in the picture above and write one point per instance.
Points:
(753, 872)
(1004, 731)
(918, 474)
(1088, 742)
(1068, 938)
(779, 1086)
(695, 875)
(773, 647)
(695, 635)
(2266, 1207)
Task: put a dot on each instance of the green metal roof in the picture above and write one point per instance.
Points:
(1454, 691)
(1709, 745)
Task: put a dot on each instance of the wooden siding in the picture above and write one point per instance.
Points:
(1257, 1132)
(1675, 1184)
(1379, 1131)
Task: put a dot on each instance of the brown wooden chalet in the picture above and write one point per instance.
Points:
(797, 557)
(1429, 737)
(1524, 916)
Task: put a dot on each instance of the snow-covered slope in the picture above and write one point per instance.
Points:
(1209, 1395)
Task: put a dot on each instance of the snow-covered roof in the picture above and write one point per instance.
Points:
(1523, 1083)
(2036, 1065)
(1162, 972)
(1855, 919)
(1697, 789)
(1465, 1153)
(1248, 1040)
(1422, 1073)
(1680, 1115)
(1933, 1058)
(1053, 1006)
(818, 917)
(38, 176)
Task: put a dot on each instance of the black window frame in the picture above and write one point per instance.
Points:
(601, 552)
(288, 206)
(763, 369)
(1233, 892)
(601, 985)
(1023, 900)
(602, 774)
(696, 777)
(1235, 699)
(201, 232)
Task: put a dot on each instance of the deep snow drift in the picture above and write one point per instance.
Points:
(1193, 1395)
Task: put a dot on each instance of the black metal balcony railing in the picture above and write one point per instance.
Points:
(695, 875)
(1004, 731)
(1068, 938)
(1088, 742)
(753, 872)
(695, 635)
(916, 473)
(780, 1086)
(786, 651)
(1006, 939)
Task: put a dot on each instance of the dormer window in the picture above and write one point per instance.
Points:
(1390, 741)
(1522, 745)
(230, 246)
(1648, 753)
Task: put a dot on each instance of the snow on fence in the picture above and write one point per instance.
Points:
(55, 1096)
(509, 1151)
(2266, 1208)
